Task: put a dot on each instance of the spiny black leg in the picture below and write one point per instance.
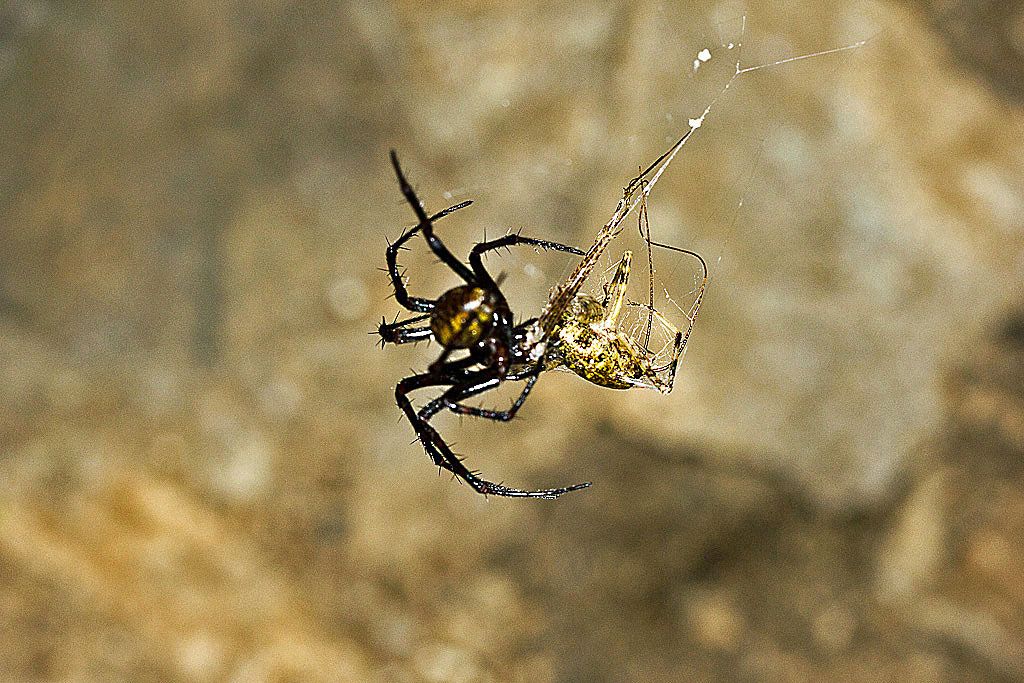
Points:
(513, 239)
(451, 209)
(424, 432)
(481, 381)
(438, 365)
(478, 383)
(401, 333)
(412, 303)
(498, 415)
(436, 245)
(442, 455)
(456, 372)
(509, 241)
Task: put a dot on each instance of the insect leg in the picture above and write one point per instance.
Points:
(677, 351)
(615, 292)
(642, 223)
(682, 338)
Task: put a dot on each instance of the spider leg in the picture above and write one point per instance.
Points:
(451, 209)
(531, 375)
(484, 380)
(427, 227)
(412, 303)
(508, 241)
(438, 365)
(438, 450)
(426, 434)
(401, 333)
(454, 370)
(498, 415)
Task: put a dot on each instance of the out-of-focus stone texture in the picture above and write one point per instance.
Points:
(205, 477)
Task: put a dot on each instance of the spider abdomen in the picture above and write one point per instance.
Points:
(462, 316)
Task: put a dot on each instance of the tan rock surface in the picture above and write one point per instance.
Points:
(205, 477)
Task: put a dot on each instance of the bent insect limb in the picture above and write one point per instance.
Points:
(678, 347)
(615, 292)
(438, 450)
(427, 227)
(677, 353)
(692, 315)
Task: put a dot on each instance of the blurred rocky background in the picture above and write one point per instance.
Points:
(204, 476)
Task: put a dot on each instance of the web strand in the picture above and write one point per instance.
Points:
(641, 187)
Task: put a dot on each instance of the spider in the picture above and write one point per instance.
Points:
(576, 332)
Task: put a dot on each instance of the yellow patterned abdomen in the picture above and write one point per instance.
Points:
(595, 352)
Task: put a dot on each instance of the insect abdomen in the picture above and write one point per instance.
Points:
(599, 358)
(599, 355)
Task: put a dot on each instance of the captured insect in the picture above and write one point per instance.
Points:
(574, 331)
